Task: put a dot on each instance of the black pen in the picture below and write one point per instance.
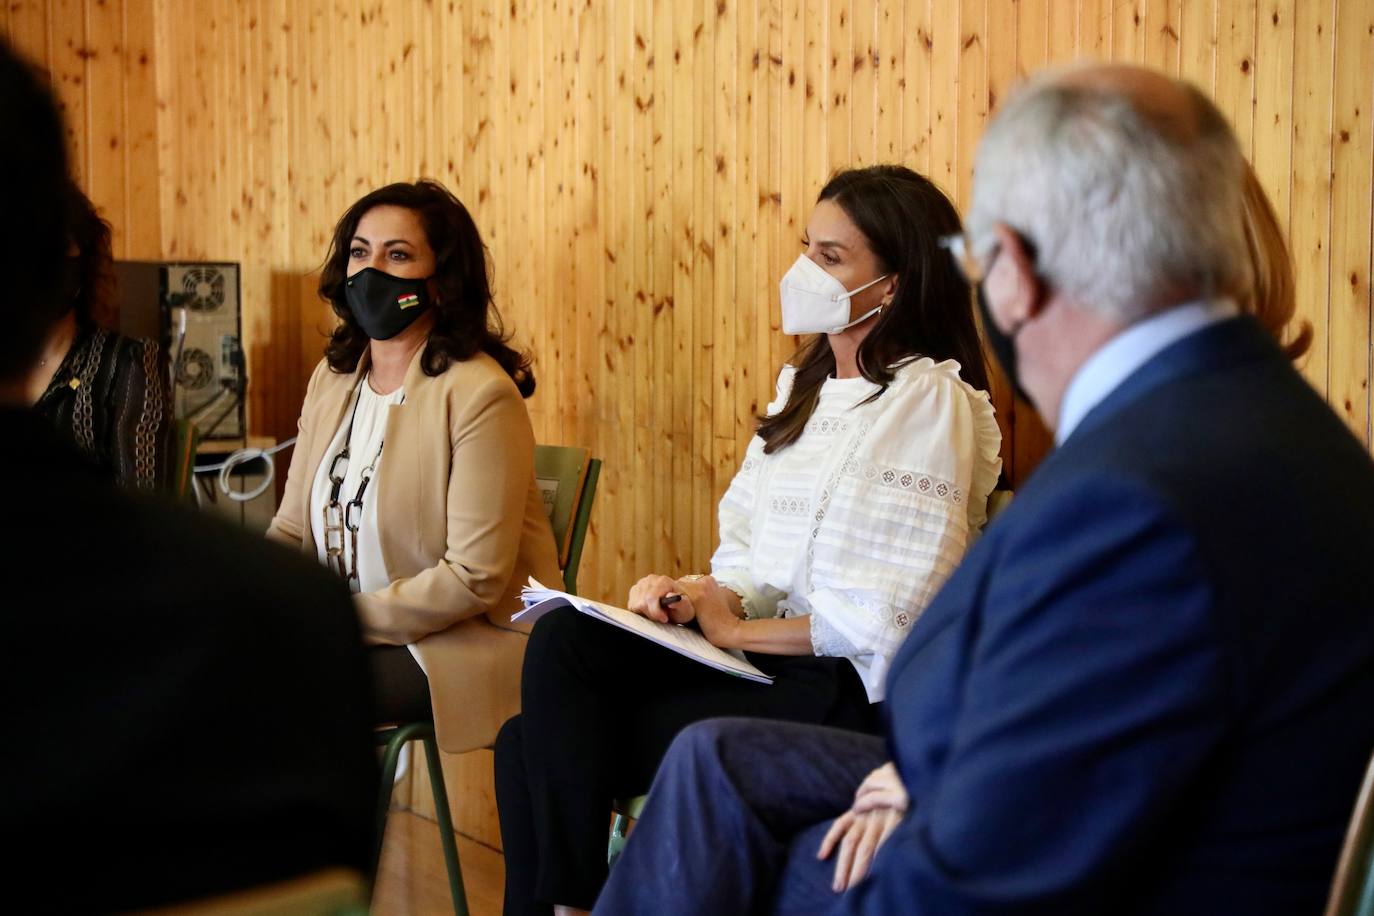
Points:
(669, 600)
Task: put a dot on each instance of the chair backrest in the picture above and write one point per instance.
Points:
(997, 501)
(1352, 891)
(567, 477)
(328, 892)
(184, 459)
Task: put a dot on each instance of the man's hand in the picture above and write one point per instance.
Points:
(880, 803)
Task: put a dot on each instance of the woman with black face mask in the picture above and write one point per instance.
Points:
(413, 475)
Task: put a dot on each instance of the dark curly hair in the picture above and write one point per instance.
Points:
(466, 320)
(92, 266)
(902, 215)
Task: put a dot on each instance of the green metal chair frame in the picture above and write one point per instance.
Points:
(184, 461)
(628, 809)
(393, 739)
(1352, 891)
(569, 474)
(570, 516)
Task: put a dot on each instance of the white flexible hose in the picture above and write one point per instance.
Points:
(242, 456)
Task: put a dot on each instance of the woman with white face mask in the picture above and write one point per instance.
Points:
(856, 499)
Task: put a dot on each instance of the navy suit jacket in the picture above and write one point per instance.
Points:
(1149, 688)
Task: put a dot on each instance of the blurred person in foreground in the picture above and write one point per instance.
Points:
(162, 749)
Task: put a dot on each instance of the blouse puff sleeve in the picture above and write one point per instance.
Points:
(919, 484)
(730, 564)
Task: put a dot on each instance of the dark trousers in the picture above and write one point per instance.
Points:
(735, 818)
(599, 708)
(400, 689)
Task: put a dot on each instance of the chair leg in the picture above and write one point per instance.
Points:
(617, 843)
(446, 837)
(396, 740)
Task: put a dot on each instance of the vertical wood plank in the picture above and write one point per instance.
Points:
(889, 56)
(105, 69)
(27, 30)
(657, 430)
(973, 92)
(1198, 44)
(773, 215)
(703, 374)
(837, 51)
(917, 90)
(1235, 85)
(1273, 128)
(865, 68)
(67, 55)
(142, 185)
(1351, 154)
(1162, 23)
(1095, 29)
(1023, 26)
(1063, 33)
(1309, 227)
(945, 98)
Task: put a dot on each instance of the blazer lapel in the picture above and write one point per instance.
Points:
(329, 413)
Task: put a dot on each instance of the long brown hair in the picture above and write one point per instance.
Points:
(466, 320)
(1273, 298)
(903, 216)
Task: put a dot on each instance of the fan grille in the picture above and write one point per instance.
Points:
(204, 288)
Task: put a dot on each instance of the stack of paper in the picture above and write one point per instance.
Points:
(539, 600)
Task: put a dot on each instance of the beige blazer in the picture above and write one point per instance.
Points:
(461, 526)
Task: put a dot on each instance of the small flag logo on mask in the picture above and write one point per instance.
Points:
(408, 300)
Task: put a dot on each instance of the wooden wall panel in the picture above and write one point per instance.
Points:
(99, 55)
(642, 172)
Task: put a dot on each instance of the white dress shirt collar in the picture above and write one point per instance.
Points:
(1120, 357)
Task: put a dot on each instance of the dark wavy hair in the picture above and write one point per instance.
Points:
(902, 215)
(466, 319)
(92, 266)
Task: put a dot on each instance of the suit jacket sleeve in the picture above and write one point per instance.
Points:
(489, 480)
(1098, 685)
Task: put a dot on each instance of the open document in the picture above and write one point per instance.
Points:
(539, 601)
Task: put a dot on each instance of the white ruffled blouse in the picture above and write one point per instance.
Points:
(859, 522)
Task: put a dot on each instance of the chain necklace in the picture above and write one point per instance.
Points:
(347, 517)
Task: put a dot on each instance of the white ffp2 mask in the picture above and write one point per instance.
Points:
(814, 302)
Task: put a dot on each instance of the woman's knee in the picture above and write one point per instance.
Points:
(562, 633)
(510, 742)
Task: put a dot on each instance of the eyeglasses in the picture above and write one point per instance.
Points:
(961, 250)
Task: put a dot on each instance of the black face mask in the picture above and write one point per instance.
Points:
(384, 305)
(1003, 344)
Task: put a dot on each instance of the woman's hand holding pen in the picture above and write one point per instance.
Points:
(698, 598)
(664, 599)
